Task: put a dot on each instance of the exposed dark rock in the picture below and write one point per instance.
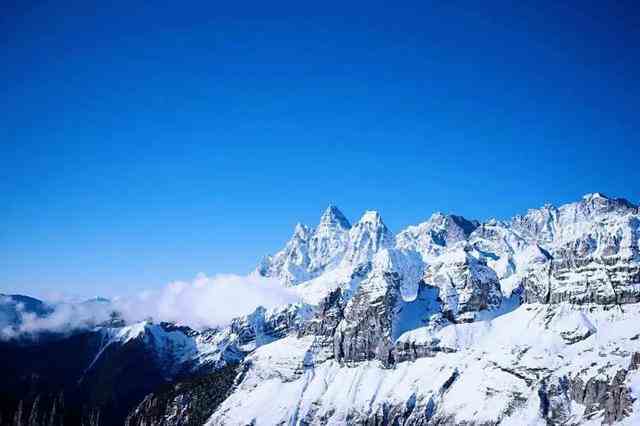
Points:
(611, 396)
(188, 402)
(365, 331)
(329, 314)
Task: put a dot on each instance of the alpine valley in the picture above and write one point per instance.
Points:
(530, 321)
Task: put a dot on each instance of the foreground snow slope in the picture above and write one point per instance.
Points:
(517, 368)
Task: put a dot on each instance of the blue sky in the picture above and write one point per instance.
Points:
(142, 144)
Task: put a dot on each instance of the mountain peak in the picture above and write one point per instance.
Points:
(437, 215)
(300, 230)
(371, 216)
(601, 202)
(594, 195)
(333, 216)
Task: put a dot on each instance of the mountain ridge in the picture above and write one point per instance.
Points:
(532, 320)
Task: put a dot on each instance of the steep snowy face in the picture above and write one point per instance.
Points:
(291, 265)
(366, 237)
(406, 265)
(432, 237)
(362, 243)
(333, 219)
(310, 252)
(329, 241)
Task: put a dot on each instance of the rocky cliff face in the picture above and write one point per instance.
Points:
(606, 396)
(594, 253)
(366, 329)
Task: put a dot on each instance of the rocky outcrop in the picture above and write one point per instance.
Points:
(328, 316)
(594, 252)
(594, 281)
(410, 351)
(365, 331)
(603, 396)
(263, 326)
(466, 284)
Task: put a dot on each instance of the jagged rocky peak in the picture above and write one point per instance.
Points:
(373, 218)
(329, 241)
(456, 224)
(598, 202)
(291, 264)
(310, 252)
(550, 224)
(301, 232)
(439, 231)
(595, 206)
(333, 218)
(366, 237)
(538, 224)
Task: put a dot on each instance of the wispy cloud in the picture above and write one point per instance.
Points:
(203, 302)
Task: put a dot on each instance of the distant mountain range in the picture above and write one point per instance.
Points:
(534, 320)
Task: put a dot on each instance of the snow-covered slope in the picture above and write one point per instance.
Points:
(534, 365)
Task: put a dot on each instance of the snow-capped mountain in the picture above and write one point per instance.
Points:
(310, 251)
(529, 321)
(488, 333)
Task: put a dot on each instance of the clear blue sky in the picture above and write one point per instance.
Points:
(144, 143)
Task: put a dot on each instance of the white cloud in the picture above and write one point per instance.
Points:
(205, 301)
(202, 302)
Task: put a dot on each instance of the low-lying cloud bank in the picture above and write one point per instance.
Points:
(202, 302)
